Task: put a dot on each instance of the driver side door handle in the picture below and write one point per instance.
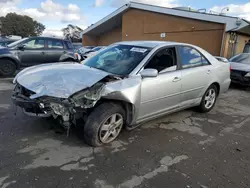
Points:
(176, 79)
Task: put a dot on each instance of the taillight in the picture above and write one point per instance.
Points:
(230, 68)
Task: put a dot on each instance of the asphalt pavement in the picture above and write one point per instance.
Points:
(183, 150)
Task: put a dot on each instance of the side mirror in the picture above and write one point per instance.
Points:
(21, 47)
(149, 73)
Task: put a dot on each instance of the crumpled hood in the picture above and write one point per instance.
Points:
(240, 66)
(58, 79)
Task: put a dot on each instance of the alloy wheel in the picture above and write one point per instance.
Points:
(111, 128)
(210, 98)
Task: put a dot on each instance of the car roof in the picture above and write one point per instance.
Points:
(48, 38)
(150, 44)
(6, 40)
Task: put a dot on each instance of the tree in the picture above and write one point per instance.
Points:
(39, 28)
(72, 32)
(24, 26)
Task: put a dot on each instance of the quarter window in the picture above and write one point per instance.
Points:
(191, 58)
(34, 44)
(55, 44)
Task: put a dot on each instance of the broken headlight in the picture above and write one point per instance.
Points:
(58, 109)
(88, 98)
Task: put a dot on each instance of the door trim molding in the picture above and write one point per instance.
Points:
(167, 96)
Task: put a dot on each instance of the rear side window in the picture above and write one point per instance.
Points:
(69, 45)
(55, 44)
(191, 58)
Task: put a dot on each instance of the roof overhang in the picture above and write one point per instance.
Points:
(115, 19)
(244, 30)
(107, 23)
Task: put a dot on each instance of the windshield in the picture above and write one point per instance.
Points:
(16, 43)
(222, 59)
(119, 59)
(241, 58)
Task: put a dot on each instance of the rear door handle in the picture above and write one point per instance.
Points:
(176, 79)
(64, 52)
(43, 53)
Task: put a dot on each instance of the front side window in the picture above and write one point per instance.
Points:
(163, 61)
(191, 58)
(34, 44)
(55, 44)
(118, 59)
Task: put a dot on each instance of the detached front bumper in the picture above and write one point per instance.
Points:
(31, 107)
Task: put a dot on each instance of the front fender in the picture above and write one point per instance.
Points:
(127, 90)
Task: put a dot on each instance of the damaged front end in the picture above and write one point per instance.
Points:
(66, 110)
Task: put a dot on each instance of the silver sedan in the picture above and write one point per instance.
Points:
(122, 86)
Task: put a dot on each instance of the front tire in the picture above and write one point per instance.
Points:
(7, 67)
(104, 124)
(209, 99)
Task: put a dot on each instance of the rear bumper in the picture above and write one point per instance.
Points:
(30, 107)
(241, 81)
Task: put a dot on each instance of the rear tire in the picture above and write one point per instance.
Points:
(7, 67)
(100, 128)
(209, 99)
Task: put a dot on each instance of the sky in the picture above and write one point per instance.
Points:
(56, 14)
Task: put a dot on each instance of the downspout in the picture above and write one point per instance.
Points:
(235, 44)
(223, 43)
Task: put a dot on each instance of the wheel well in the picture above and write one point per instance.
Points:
(10, 60)
(217, 85)
(128, 108)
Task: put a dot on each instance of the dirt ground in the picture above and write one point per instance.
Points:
(183, 150)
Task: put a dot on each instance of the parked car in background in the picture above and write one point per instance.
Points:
(240, 69)
(33, 51)
(222, 59)
(91, 52)
(81, 51)
(77, 46)
(122, 86)
(6, 42)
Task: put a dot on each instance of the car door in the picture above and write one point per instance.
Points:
(31, 52)
(54, 50)
(162, 93)
(196, 74)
